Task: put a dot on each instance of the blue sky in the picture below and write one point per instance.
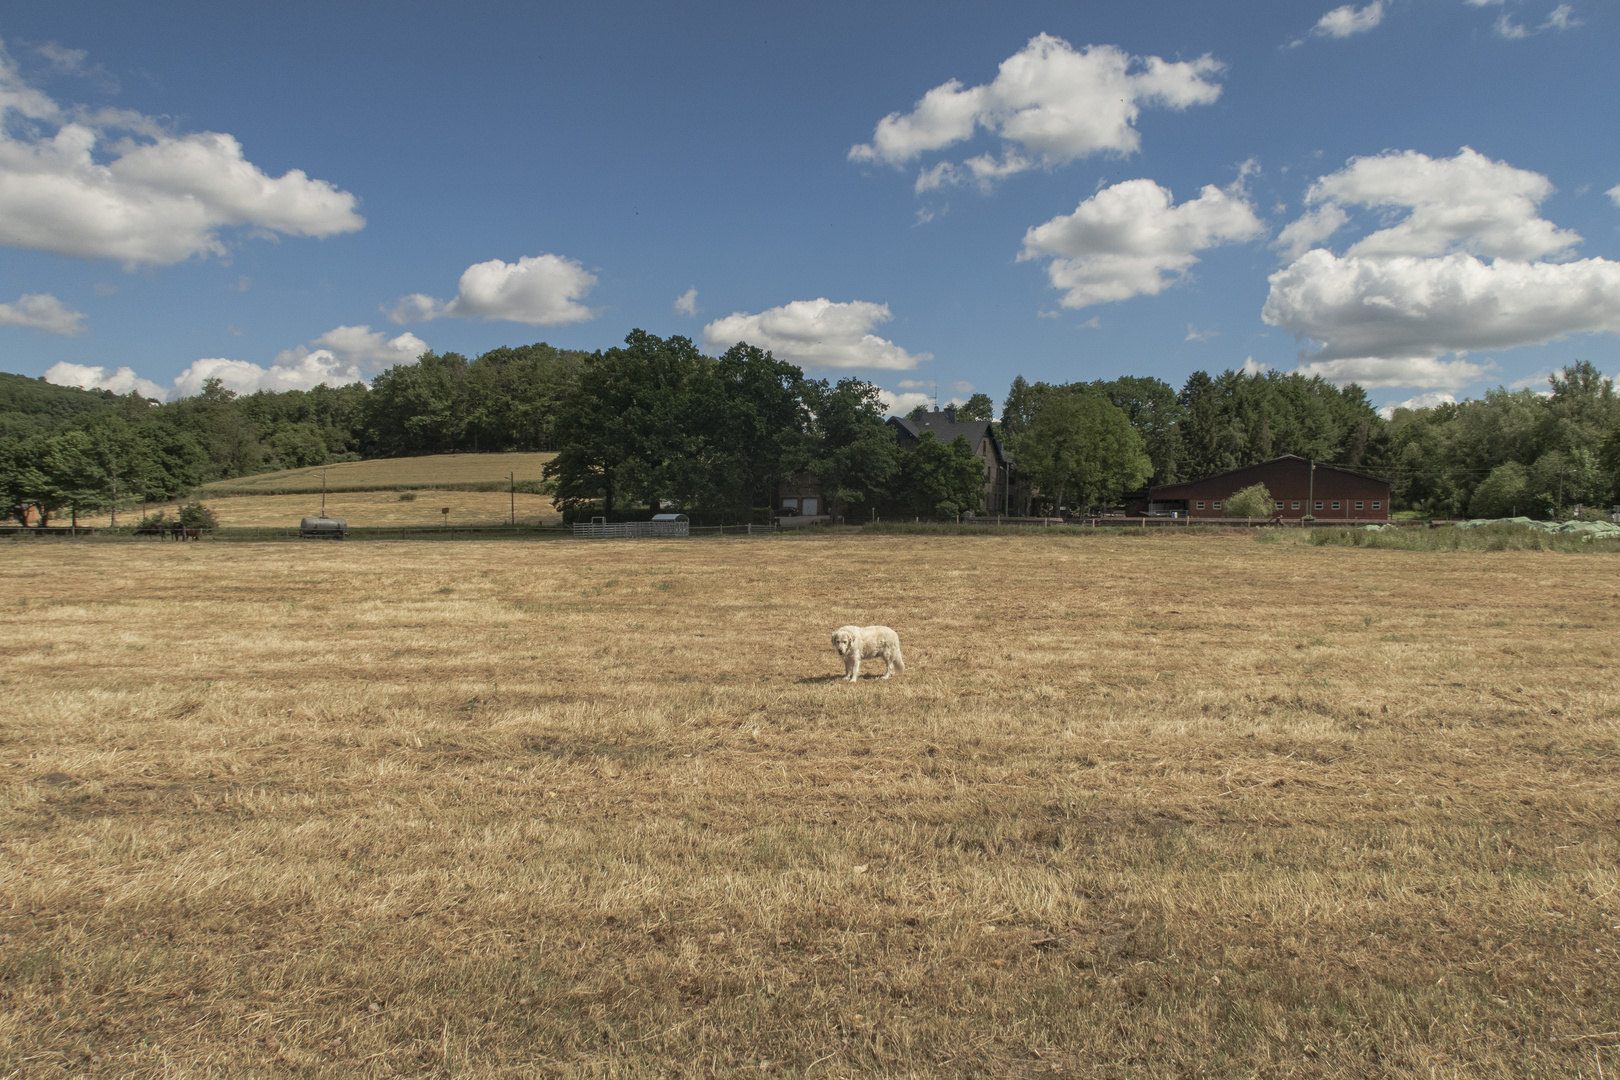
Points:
(1419, 195)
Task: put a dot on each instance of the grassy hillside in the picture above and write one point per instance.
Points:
(450, 472)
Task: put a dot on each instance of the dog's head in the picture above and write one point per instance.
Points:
(843, 641)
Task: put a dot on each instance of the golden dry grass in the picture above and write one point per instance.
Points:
(383, 473)
(1181, 806)
(367, 508)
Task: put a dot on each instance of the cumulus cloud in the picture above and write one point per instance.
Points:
(90, 377)
(1429, 400)
(1344, 21)
(1405, 306)
(1195, 334)
(1049, 102)
(686, 303)
(115, 184)
(343, 355)
(541, 290)
(1132, 240)
(817, 333)
(1471, 265)
(43, 312)
(1463, 203)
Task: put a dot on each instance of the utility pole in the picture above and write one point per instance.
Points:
(511, 479)
(323, 493)
(1310, 499)
(115, 496)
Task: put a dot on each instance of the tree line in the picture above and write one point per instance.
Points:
(656, 423)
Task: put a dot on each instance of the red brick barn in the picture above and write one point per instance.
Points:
(1298, 487)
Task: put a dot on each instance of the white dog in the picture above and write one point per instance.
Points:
(857, 643)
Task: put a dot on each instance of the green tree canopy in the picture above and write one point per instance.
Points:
(1080, 444)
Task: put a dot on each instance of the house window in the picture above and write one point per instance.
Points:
(1319, 504)
(791, 504)
(1378, 504)
(1279, 504)
(1296, 505)
(1361, 506)
(1335, 504)
(1200, 506)
(1213, 506)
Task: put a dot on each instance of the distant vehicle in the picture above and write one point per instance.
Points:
(323, 527)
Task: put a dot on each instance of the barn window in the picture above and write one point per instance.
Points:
(1200, 506)
(1361, 506)
(1296, 505)
(1279, 504)
(1378, 504)
(1215, 506)
(1319, 504)
(1335, 504)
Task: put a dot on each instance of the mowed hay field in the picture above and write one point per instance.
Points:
(363, 509)
(391, 473)
(1139, 807)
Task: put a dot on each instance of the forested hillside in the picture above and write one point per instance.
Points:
(655, 422)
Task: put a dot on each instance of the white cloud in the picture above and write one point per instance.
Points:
(1051, 102)
(1422, 401)
(1375, 371)
(541, 290)
(119, 185)
(1614, 194)
(357, 348)
(1304, 233)
(43, 312)
(1253, 367)
(1344, 21)
(916, 384)
(962, 387)
(1407, 309)
(121, 381)
(1539, 380)
(1130, 240)
(817, 333)
(1509, 29)
(1561, 17)
(1416, 290)
(686, 303)
(1463, 203)
(1195, 334)
(902, 403)
(1093, 323)
(343, 355)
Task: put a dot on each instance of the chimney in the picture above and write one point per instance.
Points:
(950, 414)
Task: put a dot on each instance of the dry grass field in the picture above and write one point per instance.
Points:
(363, 509)
(1140, 807)
(436, 470)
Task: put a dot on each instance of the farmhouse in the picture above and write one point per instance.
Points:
(980, 436)
(1298, 487)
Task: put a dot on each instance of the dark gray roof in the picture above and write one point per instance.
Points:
(946, 427)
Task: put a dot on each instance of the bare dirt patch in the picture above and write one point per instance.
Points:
(1171, 807)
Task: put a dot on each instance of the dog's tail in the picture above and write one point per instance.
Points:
(899, 661)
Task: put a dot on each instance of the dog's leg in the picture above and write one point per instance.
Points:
(888, 662)
(853, 664)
